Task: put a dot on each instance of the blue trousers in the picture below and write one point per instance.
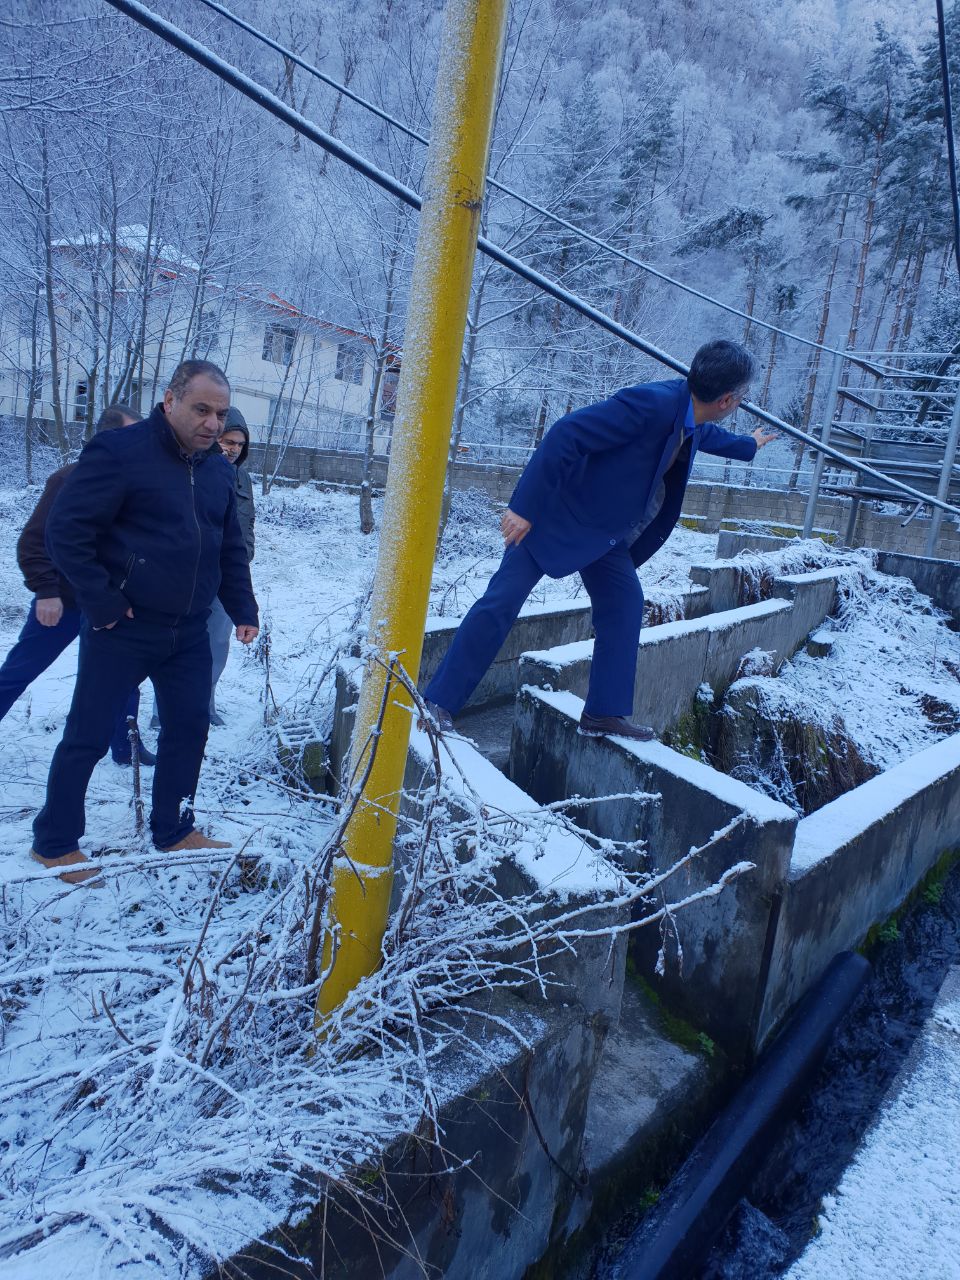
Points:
(617, 601)
(177, 660)
(37, 648)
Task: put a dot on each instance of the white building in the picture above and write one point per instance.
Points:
(297, 378)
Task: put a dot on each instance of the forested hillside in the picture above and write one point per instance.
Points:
(787, 158)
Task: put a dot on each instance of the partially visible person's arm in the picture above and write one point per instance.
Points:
(39, 572)
(86, 506)
(236, 589)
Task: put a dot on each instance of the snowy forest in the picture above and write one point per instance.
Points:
(786, 159)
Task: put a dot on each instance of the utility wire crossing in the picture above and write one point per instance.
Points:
(277, 107)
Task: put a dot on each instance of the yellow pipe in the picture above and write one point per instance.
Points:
(467, 77)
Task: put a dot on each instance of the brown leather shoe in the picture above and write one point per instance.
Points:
(615, 726)
(87, 872)
(197, 840)
(442, 717)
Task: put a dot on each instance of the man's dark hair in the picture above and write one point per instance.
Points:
(719, 368)
(117, 415)
(184, 374)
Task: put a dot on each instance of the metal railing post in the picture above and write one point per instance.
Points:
(467, 77)
(946, 475)
(828, 415)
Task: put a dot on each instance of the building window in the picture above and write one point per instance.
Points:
(349, 363)
(278, 340)
(388, 396)
(80, 402)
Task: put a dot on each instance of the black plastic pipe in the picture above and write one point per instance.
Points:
(671, 1243)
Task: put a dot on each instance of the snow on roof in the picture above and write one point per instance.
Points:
(135, 239)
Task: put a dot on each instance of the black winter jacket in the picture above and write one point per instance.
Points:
(246, 512)
(140, 523)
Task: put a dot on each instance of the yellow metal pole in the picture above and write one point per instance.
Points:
(467, 76)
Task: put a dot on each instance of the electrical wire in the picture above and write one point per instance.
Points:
(948, 124)
(556, 218)
(387, 182)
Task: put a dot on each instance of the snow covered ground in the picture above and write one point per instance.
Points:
(896, 1212)
(152, 1032)
(892, 676)
(136, 1076)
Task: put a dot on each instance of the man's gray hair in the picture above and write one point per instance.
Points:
(117, 415)
(720, 367)
(185, 372)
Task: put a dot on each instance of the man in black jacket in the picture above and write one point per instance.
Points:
(54, 619)
(146, 532)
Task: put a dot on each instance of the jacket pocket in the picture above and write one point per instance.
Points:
(133, 569)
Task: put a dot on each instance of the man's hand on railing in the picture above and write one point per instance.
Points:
(762, 438)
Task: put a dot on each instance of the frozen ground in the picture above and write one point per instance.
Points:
(896, 1212)
(891, 680)
(151, 1033)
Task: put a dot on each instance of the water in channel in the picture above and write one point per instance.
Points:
(777, 1217)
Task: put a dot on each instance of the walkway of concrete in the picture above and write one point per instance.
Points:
(896, 1212)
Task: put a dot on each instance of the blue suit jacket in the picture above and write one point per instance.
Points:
(589, 484)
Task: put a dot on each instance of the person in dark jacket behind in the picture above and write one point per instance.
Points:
(235, 445)
(146, 532)
(54, 618)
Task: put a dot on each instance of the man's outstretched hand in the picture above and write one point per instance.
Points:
(513, 527)
(246, 634)
(763, 439)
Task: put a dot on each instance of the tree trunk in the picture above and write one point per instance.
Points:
(865, 243)
(456, 435)
(885, 296)
(36, 379)
(57, 404)
(914, 292)
(367, 523)
(821, 334)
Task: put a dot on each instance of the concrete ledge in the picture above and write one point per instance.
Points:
(855, 861)
(538, 627)
(938, 579)
(511, 1117)
(676, 658)
(545, 859)
(555, 624)
(724, 940)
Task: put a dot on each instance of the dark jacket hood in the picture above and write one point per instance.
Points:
(236, 422)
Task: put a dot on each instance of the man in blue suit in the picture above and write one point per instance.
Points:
(600, 495)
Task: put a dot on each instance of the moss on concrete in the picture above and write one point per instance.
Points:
(928, 892)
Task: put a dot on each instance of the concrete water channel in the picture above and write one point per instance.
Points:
(624, 1064)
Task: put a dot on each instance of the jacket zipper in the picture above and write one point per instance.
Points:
(128, 570)
(193, 504)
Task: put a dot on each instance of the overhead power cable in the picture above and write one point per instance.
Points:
(579, 231)
(278, 108)
(948, 123)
